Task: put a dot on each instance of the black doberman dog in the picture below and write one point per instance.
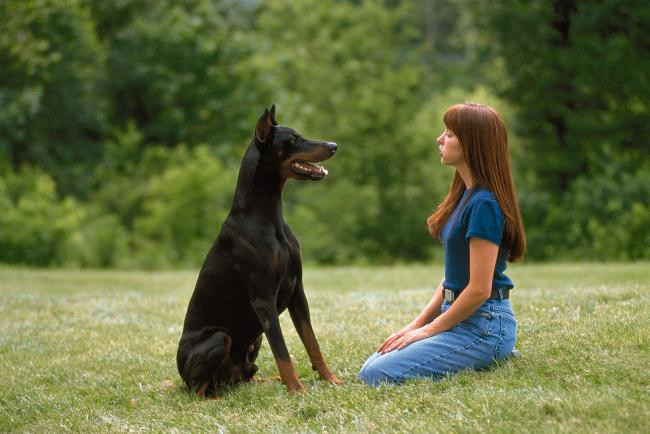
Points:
(253, 271)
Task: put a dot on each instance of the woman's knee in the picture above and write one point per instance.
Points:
(364, 368)
(374, 372)
(372, 375)
(368, 361)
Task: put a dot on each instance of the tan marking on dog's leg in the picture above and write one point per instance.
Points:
(315, 355)
(202, 389)
(289, 376)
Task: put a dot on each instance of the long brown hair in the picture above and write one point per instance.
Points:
(482, 134)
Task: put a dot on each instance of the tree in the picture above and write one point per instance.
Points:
(51, 105)
(579, 74)
(352, 73)
(180, 70)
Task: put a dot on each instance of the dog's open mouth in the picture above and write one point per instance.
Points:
(311, 170)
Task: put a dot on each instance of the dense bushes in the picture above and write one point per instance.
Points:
(165, 219)
(182, 209)
(34, 223)
(122, 123)
(166, 209)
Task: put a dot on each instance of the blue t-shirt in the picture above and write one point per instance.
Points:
(479, 215)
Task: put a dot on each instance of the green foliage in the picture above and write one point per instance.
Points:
(52, 110)
(370, 88)
(122, 123)
(182, 210)
(181, 70)
(33, 222)
(177, 210)
(99, 240)
(38, 228)
(582, 95)
(609, 217)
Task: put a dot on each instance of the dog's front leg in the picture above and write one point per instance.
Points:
(299, 311)
(267, 313)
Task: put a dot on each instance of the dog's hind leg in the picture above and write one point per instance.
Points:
(250, 368)
(201, 364)
(299, 311)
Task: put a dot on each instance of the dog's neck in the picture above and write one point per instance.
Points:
(259, 189)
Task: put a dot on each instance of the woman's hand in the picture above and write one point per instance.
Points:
(403, 339)
(397, 335)
(430, 312)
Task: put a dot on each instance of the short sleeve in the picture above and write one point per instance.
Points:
(485, 220)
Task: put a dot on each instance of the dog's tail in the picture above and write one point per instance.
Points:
(201, 356)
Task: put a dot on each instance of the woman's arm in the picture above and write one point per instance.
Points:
(482, 259)
(430, 311)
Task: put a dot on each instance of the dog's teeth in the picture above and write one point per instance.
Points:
(310, 168)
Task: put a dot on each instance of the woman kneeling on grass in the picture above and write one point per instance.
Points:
(469, 322)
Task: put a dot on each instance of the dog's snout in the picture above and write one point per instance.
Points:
(332, 146)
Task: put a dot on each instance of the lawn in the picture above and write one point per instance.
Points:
(95, 351)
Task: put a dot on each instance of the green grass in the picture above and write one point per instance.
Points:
(95, 351)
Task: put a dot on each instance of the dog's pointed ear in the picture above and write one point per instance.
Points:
(273, 122)
(264, 127)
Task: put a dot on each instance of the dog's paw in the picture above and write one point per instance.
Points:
(334, 380)
(255, 379)
(202, 390)
(296, 388)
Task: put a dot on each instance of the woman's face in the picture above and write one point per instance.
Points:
(451, 151)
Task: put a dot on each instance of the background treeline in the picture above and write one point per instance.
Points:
(122, 122)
